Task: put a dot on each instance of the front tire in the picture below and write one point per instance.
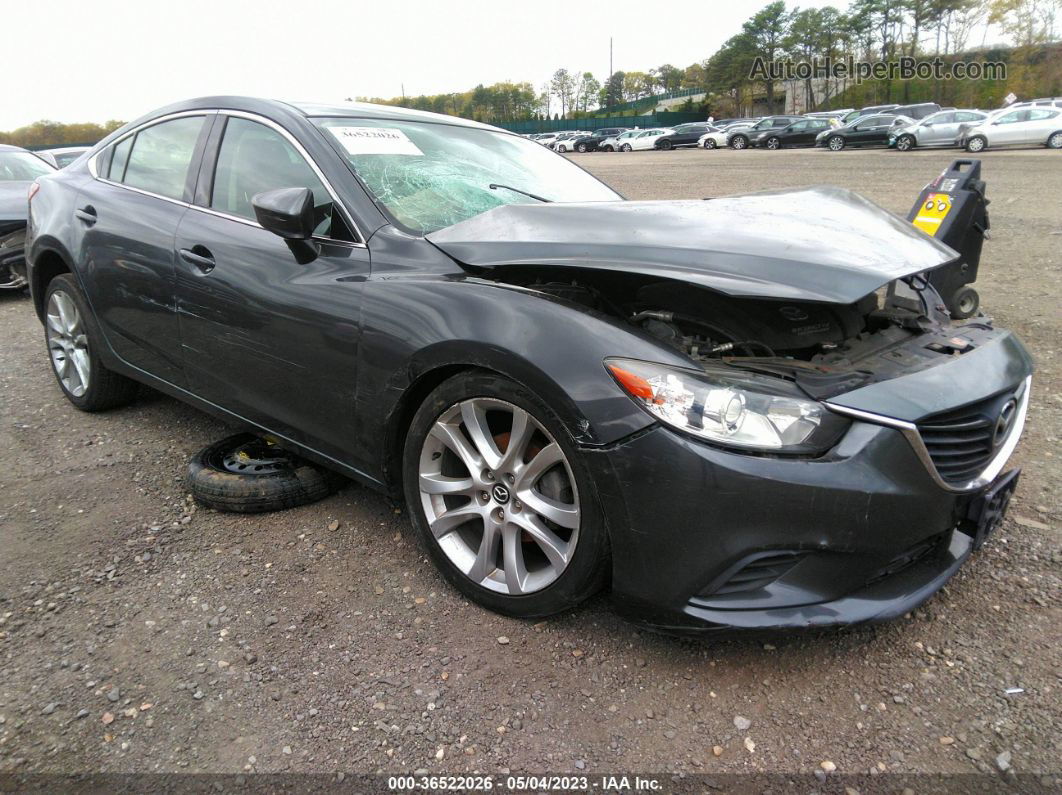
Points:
(608, 148)
(739, 142)
(74, 342)
(501, 498)
(836, 143)
(905, 143)
(561, 148)
(581, 148)
(625, 148)
(774, 143)
(1055, 140)
(976, 144)
(709, 144)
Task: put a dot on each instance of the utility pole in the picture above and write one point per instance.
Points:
(608, 85)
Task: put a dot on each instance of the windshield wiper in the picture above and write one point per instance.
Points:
(495, 186)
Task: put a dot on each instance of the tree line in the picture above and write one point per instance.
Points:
(867, 30)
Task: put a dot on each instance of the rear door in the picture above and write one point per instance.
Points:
(266, 333)
(130, 214)
(940, 129)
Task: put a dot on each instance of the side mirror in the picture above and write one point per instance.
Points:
(286, 212)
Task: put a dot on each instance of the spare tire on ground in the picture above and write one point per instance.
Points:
(249, 474)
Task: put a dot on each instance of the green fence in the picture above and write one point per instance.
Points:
(665, 119)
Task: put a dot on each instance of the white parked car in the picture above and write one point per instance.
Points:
(1024, 126)
(938, 129)
(713, 140)
(566, 142)
(546, 138)
(646, 139)
(615, 143)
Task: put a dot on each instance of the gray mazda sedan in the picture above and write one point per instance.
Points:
(746, 412)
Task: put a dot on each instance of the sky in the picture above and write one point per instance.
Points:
(77, 61)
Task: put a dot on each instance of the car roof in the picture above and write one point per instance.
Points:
(10, 148)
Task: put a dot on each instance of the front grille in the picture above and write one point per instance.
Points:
(961, 441)
(756, 574)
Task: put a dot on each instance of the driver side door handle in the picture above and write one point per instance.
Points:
(200, 257)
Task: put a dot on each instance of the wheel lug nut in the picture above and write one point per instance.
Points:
(488, 475)
(510, 478)
(499, 515)
(484, 496)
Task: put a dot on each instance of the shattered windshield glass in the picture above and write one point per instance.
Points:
(431, 175)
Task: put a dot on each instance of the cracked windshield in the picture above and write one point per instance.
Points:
(431, 176)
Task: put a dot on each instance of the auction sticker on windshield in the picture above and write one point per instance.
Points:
(375, 141)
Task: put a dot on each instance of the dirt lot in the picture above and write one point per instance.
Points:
(140, 634)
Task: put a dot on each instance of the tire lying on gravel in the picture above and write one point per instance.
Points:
(248, 474)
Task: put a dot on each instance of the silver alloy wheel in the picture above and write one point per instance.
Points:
(709, 144)
(905, 143)
(975, 144)
(499, 496)
(1055, 141)
(773, 143)
(739, 142)
(68, 343)
(836, 143)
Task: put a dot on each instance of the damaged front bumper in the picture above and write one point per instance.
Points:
(713, 538)
(12, 257)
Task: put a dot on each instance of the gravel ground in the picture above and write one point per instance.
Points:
(138, 634)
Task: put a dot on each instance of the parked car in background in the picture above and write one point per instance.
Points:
(546, 138)
(1032, 126)
(797, 133)
(63, 156)
(714, 139)
(740, 137)
(565, 143)
(938, 129)
(18, 169)
(870, 110)
(864, 131)
(1051, 102)
(917, 111)
(590, 142)
(616, 142)
(646, 139)
(684, 135)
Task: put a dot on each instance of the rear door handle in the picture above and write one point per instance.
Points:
(199, 256)
(87, 214)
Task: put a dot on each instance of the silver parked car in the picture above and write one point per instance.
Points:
(1025, 126)
(939, 129)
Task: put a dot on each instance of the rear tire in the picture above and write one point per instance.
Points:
(485, 550)
(74, 341)
(666, 146)
(608, 148)
(247, 474)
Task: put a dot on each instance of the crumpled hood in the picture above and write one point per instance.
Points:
(14, 201)
(813, 244)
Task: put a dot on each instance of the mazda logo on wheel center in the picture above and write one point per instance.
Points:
(500, 493)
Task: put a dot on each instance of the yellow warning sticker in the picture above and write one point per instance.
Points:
(932, 213)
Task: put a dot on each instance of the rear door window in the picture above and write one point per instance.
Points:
(161, 155)
(119, 159)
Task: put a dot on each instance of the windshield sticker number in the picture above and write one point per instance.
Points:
(375, 141)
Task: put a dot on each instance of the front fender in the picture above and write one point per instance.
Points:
(554, 348)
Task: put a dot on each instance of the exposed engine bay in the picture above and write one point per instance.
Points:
(827, 349)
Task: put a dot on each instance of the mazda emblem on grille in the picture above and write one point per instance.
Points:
(1006, 417)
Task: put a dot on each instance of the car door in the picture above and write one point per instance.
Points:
(129, 216)
(1042, 122)
(939, 130)
(267, 332)
(1008, 128)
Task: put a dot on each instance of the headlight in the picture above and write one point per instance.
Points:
(732, 408)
